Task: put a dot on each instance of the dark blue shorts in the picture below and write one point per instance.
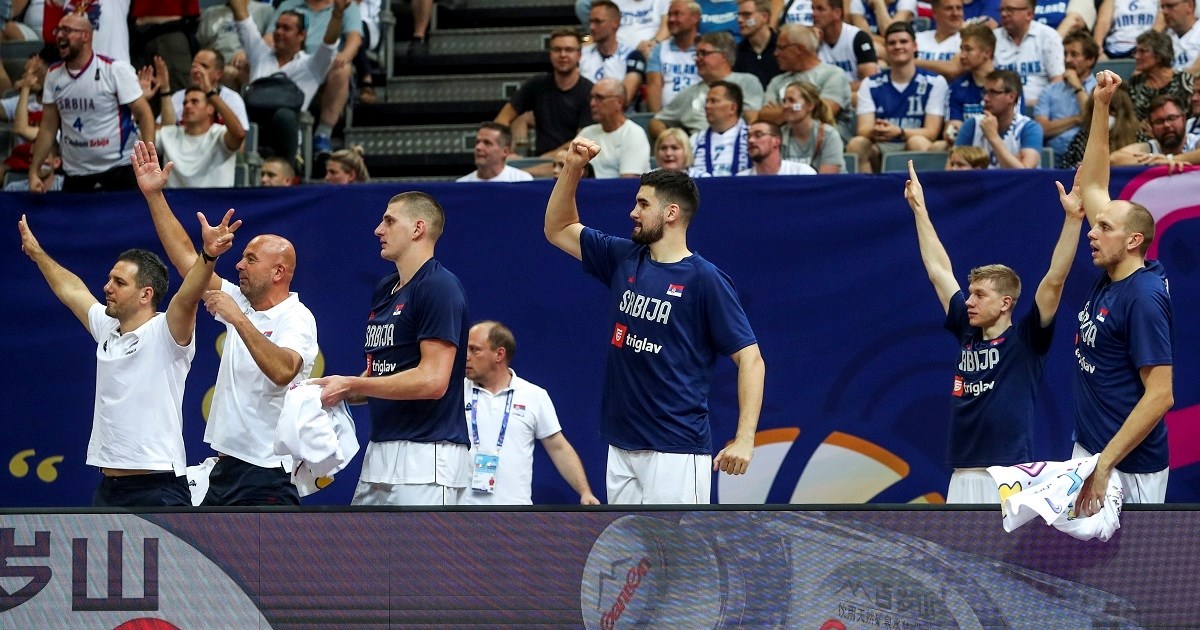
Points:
(162, 489)
(235, 482)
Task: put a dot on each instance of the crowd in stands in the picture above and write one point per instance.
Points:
(705, 86)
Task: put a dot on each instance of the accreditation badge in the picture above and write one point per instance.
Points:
(483, 477)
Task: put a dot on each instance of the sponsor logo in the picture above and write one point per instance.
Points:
(399, 309)
(641, 344)
(379, 367)
(958, 386)
(618, 338)
(633, 579)
(675, 290)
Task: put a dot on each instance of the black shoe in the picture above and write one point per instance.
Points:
(418, 47)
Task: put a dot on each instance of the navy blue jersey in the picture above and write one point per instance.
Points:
(1124, 326)
(963, 91)
(1050, 13)
(432, 305)
(904, 109)
(994, 389)
(670, 324)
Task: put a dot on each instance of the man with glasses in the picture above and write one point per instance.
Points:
(1180, 16)
(624, 149)
(92, 102)
(723, 148)
(796, 50)
(558, 100)
(1031, 49)
(764, 142)
(714, 61)
(1010, 138)
(1170, 143)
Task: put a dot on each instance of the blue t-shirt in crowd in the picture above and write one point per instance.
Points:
(963, 91)
(670, 324)
(432, 305)
(904, 109)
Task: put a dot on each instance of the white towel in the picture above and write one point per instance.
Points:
(320, 440)
(1049, 490)
(197, 477)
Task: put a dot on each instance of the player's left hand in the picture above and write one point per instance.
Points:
(734, 459)
(219, 304)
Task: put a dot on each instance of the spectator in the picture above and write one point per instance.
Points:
(988, 12)
(25, 112)
(318, 15)
(1118, 24)
(764, 141)
(279, 127)
(966, 158)
(715, 55)
(1180, 17)
(96, 152)
(1010, 138)
(673, 150)
(1153, 74)
(1170, 143)
(943, 42)
(1059, 109)
(900, 108)
(721, 150)
(558, 100)
(672, 64)
(880, 14)
(208, 66)
(794, 12)
(624, 149)
(167, 29)
(364, 65)
(1194, 125)
(606, 57)
(51, 170)
(643, 22)
(493, 145)
(346, 167)
(966, 92)
(756, 52)
(218, 32)
(796, 50)
(809, 136)
(203, 152)
(422, 11)
(278, 173)
(1124, 130)
(1031, 49)
(843, 45)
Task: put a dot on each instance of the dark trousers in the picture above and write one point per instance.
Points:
(277, 132)
(116, 178)
(162, 489)
(235, 482)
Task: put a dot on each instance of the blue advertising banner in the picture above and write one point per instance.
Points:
(859, 368)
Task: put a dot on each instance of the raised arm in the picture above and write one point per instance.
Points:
(427, 381)
(734, 459)
(933, 254)
(181, 312)
(566, 460)
(67, 287)
(1049, 291)
(234, 132)
(562, 215)
(1094, 169)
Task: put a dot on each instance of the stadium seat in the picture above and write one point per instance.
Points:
(922, 161)
(1123, 67)
(851, 160)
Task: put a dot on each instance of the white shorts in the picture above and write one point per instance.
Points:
(417, 463)
(367, 493)
(651, 477)
(972, 485)
(1139, 487)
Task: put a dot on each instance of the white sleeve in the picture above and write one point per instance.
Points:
(1053, 53)
(866, 104)
(127, 86)
(938, 90)
(547, 417)
(906, 5)
(98, 322)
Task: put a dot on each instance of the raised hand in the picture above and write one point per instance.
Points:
(913, 192)
(148, 82)
(150, 178)
(1072, 202)
(218, 239)
(1107, 83)
(581, 152)
(29, 242)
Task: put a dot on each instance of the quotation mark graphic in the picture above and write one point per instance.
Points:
(18, 466)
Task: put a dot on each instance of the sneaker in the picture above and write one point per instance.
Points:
(321, 145)
(418, 47)
(367, 96)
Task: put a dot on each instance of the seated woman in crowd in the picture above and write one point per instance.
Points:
(346, 167)
(1152, 63)
(809, 136)
(673, 151)
(1125, 130)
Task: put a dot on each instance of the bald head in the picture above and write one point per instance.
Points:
(610, 87)
(277, 250)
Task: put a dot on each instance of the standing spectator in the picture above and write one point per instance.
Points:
(1031, 49)
(1169, 145)
(654, 410)
(756, 52)
(844, 45)
(672, 64)
(346, 166)
(1180, 16)
(277, 173)
(943, 42)
(714, 62)
(966, 91)
(558, 100)
(416, 348)
(1119, 22)
(672, 150)
(764, 141)
(507, 414)
(796, 51)
(493, 145)
(606, 57)
(900, 108)
(809, 136)
(203, 152)
(1010, 138)
(91, 102)
(167, 29)
(218, 32)
(721, 149)
(1153, 74)
(625, 151)
(50, 170)
(1059, 109)
(1125, 342)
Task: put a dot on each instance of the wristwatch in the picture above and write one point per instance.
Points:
(206, 257)
(216, 91)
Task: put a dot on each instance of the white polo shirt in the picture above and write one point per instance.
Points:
(138, 419)
(531, 418)
(246, 404)
(1038, 58)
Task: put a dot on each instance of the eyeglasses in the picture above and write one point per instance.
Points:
(67, 30)
(1004, 10)
(601, 97)
(1166, 120)
(1167, 6)
(700, 54)
(563, 49)
(996, 92)
(779, 46)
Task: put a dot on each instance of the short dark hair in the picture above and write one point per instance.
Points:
(900, 27)
(303, 19)
(1086, 43)
(1010, 79)
(505, 131)
(151, 272)
(674, 187)
(499, 336)
(733, 90)
(608, 4)
(566, 31)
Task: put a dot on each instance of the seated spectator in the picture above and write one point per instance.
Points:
(1169, 143)
(558, 100)
(843, 45)
(1010, 138)
(1180, 17)
(715, 54)
(422, 11)
(796, 49)
(371, 12)
(203, 152)
(1118, 24)
(163, 28)
(900, 108)
(493, 145)
(24, 23)
(1154, 75)
(809, 136)
(1059, 109)
(966, 91)
(671, 66)
(210, 65)
(624, 148)
(673, 150)
(346, 167)
(794, 12)
(279, 127)
(218, 32)
(756, 52)
(606, 57)
(764, 141)
(1031, 49)
(943, 42)
(278, 173)
(1125, 128)
(721, 150)
(643, 22)
(966, 158)
(52, 165)
(25, 112)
